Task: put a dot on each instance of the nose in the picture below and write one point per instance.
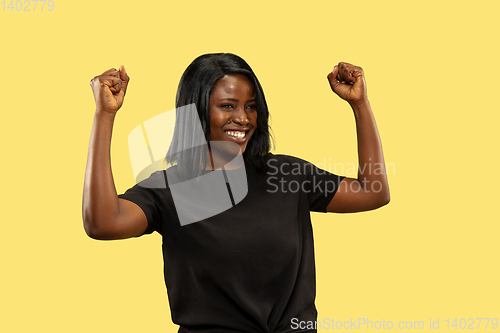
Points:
(240, 117)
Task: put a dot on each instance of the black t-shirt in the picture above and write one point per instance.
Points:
(250, 268)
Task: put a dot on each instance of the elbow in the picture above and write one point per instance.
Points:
(102, 228)
(88, 220)
(386, 201)
(95, 233)
(383, 199)
(92, 228)
(379, 198)
(92, 234)
(98, 225)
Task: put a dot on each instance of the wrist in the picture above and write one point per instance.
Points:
(105, 115)
(360, 105)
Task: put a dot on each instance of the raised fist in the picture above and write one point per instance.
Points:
(348, 81)
(109, 89)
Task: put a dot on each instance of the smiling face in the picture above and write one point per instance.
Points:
(233, 113)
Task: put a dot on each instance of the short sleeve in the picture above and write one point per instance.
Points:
(323, 186)
(148, 199)
(319, 185)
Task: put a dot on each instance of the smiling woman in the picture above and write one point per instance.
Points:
(233, 115)
(247, 265)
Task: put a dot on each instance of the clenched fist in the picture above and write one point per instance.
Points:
(109, 89)
(348, 81)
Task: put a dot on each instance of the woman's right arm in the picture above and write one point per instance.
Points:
(105, 216)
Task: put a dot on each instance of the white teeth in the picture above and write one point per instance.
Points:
(236, 134)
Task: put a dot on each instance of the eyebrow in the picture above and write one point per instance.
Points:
(235, 100)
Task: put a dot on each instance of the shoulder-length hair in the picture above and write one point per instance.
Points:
(195, 86)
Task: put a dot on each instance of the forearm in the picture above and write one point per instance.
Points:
(372, 174)
(100, 199)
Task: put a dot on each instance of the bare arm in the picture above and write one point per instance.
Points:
(371, 189)
(105, 216)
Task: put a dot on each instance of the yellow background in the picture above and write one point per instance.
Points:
(432, 73)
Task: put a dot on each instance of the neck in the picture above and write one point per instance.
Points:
(223, 159)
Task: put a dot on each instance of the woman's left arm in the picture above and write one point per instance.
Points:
(371, 189)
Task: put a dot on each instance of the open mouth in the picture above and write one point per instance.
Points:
(236, 135)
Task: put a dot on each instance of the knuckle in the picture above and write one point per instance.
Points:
(94, 79)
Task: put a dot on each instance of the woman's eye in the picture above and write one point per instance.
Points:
(252, 106)
(226, 106)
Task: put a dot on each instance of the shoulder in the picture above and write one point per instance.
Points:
(156, 180)
(286, 160)
(161, 179)
(289, 165)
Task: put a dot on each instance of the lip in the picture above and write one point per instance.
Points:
(238, 140)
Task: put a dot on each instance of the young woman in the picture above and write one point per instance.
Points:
(248, 267)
